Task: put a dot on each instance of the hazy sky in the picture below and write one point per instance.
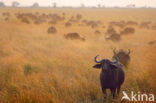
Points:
(85, 2)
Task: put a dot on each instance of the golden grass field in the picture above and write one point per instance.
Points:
(37, 67)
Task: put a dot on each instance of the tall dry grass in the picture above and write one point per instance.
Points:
(39, 68)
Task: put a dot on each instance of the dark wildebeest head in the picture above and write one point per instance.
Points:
(112, 76)
(123, 56)
(105, 64)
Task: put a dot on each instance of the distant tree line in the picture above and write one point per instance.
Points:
(34, 5)
(54, 5)
(2, 4)
(14, 4)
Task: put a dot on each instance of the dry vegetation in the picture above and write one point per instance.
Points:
(39, 68)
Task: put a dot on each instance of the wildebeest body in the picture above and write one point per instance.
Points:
(112, 75)
(112, 79)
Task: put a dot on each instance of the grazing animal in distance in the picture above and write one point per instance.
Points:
(74, 36)
(112, 75)
(112, 34)
(123, 56)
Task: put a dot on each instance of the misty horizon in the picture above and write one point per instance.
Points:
(80, 3)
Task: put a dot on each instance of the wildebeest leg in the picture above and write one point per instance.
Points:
(118, 90)
(113, 92)
(104, 93)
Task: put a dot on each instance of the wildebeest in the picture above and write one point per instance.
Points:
(127, 30)
(51, 30)
(120, 24)
(145, 24)
(67, 24)
(97, 32)
(111, 34)
(112, 75)
(123, 56)
(74, 36)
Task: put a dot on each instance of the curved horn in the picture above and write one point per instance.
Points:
(115, 59)
(128, 51)
(114, 51)
(96, 60)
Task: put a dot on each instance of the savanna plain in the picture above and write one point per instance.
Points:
(47, 54)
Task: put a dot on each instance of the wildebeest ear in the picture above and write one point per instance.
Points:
(114, 66)
(97, 66)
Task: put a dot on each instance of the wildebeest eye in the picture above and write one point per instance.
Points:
(97, 66)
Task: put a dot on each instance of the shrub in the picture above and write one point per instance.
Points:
(152, 42)
(27, 69)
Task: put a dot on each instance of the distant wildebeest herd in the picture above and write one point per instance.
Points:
(112, 74)
(37, 18)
